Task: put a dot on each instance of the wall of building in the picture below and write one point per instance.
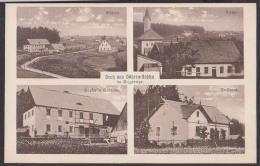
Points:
(147, 25)
(210, 67)
(141, 61)
(40, 121)
(30, 121)
(164, 118)
(36, 48)
(147, 44)
(104, 46)
(201, 120)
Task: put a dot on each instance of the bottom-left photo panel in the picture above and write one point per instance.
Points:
(71, 119)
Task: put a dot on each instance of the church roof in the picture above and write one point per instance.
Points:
(150, 35)
(147, 15)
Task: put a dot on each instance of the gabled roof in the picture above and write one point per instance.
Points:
(212, 114)
(149, 59)
(215, 51)
(161, 45)
(57, 46)
(38, 41)
(65, 100)
(150, 35)
(112, 42)
(147, 15)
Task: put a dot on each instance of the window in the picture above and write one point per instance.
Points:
(198, 114)
(71, 129)
(206, 70)
(189, 70)
(151, 44)
(106, 117)
(81, 115)
(229, 70)
(147, 44)
(174, 129)
(48, 127)
(70, 114)
(24, 116)
(32, 112)
(102, 44)
(48, 111)
(32, 127)
(197, 69)
(90, 116)
(221, 69)
(60, 128)
(28, 114)
(60, 113)
(197, 130)
(158, 131)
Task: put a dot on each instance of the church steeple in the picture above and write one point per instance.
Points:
(147, 21)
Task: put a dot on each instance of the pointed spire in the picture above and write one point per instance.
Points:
(147, 14)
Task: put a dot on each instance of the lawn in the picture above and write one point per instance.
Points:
(200, 150)
(67, 146)
(82, 64)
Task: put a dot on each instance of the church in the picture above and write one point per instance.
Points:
(149, 37)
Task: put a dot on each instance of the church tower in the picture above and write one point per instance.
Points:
(147, 21)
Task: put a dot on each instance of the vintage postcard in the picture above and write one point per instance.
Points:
(137, 83)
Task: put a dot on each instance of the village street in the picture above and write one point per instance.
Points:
(26, 66)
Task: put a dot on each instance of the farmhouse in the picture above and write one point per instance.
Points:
(186, 121)
(66, 114)
(146, 64)
(109, 45)
(119, 131)
(215, 58)
(149, 37)
(56, 48)
(36, 45)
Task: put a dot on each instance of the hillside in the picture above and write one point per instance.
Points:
(166, 29)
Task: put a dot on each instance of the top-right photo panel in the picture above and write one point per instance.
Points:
(189, 42)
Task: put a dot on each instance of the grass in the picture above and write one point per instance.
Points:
(80, 65)
(67, 146)
(198, 150)
(21, 73)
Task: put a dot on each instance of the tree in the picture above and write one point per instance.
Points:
(103, 37)
(237, 128)
(141, 135)
(173, 133)
(202, 132)
(223, 134)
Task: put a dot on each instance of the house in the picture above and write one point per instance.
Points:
(222, 35)
(109, 45)
(119, 40)
(187, 33)
(119, 131)
(186, 121)
(36, 45)
(149, 37)
(215, 58)
(146, 64)
(70, 115)
(56, 48)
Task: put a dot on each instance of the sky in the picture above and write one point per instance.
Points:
(211, 18)
(229, 103)
(119, 99)
(83, 21)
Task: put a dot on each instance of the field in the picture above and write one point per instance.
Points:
(198, 150)
(82, 64)
(67, 146)
(29, 74)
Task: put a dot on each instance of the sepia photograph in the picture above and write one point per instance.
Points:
(70, 42)
(189, 42)
(189, 119)
(71, 119)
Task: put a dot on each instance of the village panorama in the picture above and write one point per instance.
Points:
(62, 42)
(73, 121)
(183, 42)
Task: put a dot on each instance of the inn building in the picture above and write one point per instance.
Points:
(70, 115)
(36, 45)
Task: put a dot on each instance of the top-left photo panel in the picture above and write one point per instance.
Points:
(70, 42)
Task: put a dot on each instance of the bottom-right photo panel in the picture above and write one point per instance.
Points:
(189, 119)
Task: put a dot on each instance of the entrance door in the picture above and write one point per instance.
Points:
(86, 132)
(214, 73)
